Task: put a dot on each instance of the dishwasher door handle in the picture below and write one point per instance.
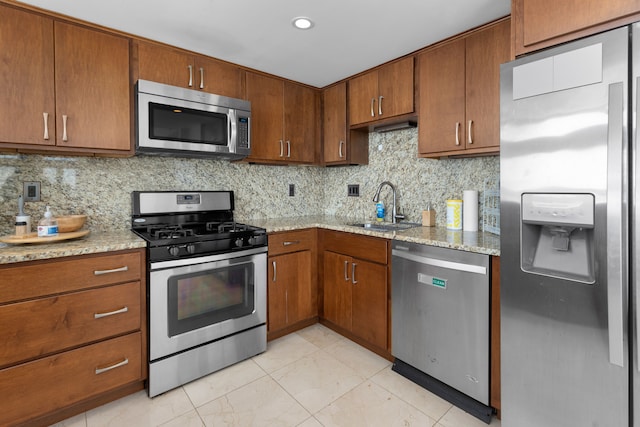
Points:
(451, 265)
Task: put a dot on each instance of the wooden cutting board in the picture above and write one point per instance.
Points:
(33, 238)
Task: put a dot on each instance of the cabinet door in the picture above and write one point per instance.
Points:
(280, 274)
(395, 89)
(92, 88)
(369, 302)
(363, 98)
(337, 289)
(217, 77)
(485, 51)
(267, 103)
(300, 117)
(542, 23)
(442, 98)
(164, 65)
(26, 73)
(335, 124)
(301, 301)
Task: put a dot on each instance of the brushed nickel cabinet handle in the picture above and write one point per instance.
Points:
(108, 368)
(289, 149)
(274, 271)
(201, 78)
(190, 67)
(292, 242)
(346, 269)
(457, 133)
(340, 153)
(45, 116)
(115, 270)
(380, 98)
(353, 273)
(64, 128)
(373, 101)
(281, 148)
(110, 313)
(470, 139)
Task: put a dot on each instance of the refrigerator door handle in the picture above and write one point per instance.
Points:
(616, 257)
(636, 211)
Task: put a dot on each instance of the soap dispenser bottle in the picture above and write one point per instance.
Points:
(380, 211)
(48, 226)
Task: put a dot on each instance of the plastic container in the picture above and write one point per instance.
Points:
(380, 211)
(48, 226)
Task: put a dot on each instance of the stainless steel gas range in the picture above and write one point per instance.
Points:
(206, 284)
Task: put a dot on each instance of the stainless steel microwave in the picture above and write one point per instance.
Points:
(175, 121)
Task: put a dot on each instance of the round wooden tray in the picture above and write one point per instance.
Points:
(33, 238)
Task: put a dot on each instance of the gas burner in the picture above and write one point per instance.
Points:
(169, 232)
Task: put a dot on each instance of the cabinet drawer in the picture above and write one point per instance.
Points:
(59, 276)
(291, 241)
(43, 326)
(37, 388)
(363, 247)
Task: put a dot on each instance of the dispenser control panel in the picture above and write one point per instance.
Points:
(575, 210)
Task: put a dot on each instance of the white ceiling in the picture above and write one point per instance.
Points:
(349, 36)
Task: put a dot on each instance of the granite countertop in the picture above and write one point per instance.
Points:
(95, 242)
(479, 242)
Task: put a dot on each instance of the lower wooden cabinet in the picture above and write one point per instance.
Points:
(73, 335)
(356, 287)
(292, 291)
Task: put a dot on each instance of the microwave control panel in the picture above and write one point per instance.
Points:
(243, 132)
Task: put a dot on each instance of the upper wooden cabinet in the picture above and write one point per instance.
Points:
(180, 68)
(64, 86)
(385, 92)
(541, 23)
(284, 120)
(340, 145)
(459, 92)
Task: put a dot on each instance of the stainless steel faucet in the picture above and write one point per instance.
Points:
(395, 216)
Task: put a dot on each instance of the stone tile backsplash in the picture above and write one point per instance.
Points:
(101, 187)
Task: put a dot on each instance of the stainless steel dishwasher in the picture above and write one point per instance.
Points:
(440, 322)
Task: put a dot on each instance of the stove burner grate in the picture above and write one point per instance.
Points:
(169, 232)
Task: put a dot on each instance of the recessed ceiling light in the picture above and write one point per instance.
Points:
(302, 23)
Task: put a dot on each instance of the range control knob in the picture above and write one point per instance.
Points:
(191, 248)
(174, 250)
(238, 242)
(252, 240)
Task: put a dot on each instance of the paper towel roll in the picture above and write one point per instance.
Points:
(470, 210)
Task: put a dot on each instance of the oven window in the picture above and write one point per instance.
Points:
(172, 123)
(208, 297)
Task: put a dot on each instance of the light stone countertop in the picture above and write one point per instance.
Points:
(95, 242)
(478, 242)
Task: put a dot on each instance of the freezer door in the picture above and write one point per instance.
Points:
(635, 241)
(564, 131)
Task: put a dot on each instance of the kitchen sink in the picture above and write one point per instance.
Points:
(386, 227)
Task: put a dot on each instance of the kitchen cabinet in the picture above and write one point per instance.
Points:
(542, 23)
(292, 292)
(385, 92)
(176, 67)
(65, 87)
(355, 287)
(459, 92)
(284, 118)
(341, 146)
(74, 334)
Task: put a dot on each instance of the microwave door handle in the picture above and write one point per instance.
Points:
(232, 129)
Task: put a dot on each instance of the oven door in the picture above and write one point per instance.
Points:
(199, 300)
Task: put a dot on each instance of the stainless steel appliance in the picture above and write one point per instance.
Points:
(206, 284)
(175, 121)
(569, 243)
(440, 322)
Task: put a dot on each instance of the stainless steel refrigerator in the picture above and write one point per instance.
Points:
(570, 250)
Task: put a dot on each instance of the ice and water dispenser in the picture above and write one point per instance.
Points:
(557, 235)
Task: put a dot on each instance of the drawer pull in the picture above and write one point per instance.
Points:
(108, 368)
(111, 313)
(115, 270)
(292, 242)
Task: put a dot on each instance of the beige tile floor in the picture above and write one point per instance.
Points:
(311, 378)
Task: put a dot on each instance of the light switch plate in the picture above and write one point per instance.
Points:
(31, 191)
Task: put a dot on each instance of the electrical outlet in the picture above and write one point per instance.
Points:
(353, 190)
(31, 191)
(292, 190)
